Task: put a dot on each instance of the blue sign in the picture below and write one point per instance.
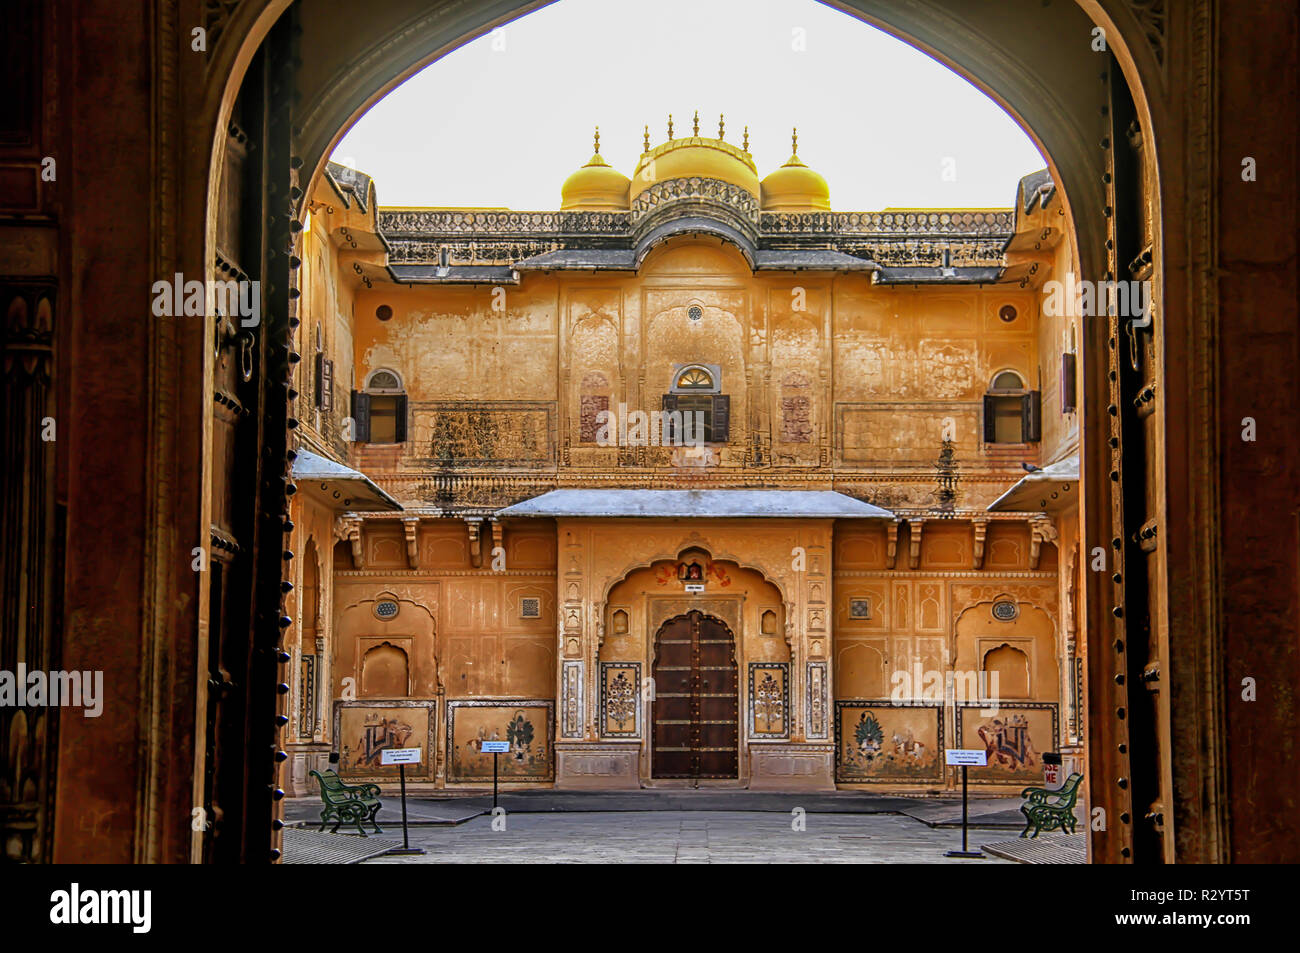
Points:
(495, 747)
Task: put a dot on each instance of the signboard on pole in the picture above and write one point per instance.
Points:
(970, 757)
(494, 747)
(399, 756)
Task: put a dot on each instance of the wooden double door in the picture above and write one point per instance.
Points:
(696, 729)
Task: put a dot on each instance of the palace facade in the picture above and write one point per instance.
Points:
(692, 481)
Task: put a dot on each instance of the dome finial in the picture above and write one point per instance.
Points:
(646, 140)
(722, 125)
(745, 144)
(696, 131)
(794, 141)
(670, 126)
(596, 147)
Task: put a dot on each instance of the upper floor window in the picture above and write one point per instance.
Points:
(324, 374)
(379, 411)
(1012, 412)
(696, 390)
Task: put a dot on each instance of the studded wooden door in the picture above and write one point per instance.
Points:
(695, 711)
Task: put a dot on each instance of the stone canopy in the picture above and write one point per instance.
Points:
(803, 504)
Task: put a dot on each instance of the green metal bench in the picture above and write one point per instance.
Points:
(1046, 810)
(347, 803)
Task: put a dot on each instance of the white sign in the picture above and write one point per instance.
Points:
(399, 756)
(495, 747)
(975, 757)
(695, 587)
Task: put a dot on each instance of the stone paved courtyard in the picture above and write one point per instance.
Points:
(699, 837)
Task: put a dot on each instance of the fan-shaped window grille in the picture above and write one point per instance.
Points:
(384, 380)
(694, 378)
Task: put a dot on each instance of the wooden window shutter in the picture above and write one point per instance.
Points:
(320, 380)
(669, 434)
(399, 424)
(721, 418)
(360, 417)
(990, 421)
(1032, 417)
(327, 385)
(1069, 382)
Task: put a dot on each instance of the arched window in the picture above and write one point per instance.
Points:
(1012, 413)
(379, 412)
(697, 390)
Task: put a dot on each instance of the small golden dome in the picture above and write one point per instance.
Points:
(695, 157)
(597, 186)
(794, 187)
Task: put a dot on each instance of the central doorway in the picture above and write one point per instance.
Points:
(696, 706)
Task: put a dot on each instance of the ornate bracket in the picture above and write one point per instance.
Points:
(348, 527)
(891, 546)
(475, 546)
(1040, 530)
(981, 527)
(914, 543)
(411, 526)
(498, 537)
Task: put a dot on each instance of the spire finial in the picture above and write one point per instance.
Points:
(722, 125)
(597, 145)
(670, 125)
(696, 131)
(646, 140)
(745, 144)
(794, 141)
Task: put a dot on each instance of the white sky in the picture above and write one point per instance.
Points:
(503, 120)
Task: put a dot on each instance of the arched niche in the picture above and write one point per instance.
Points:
(648, 596)
(385, 672)
(980, 636)
(1007, 667)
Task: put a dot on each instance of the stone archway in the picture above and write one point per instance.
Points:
(996, 55)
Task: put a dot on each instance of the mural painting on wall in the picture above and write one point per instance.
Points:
(1014, 738)
(620, 701)
(364, 730)
(693, 570)
(878, 742)
(769, 699)
(525, 724)
(487, 433)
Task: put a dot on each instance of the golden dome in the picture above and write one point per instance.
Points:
(597, 186)
(794, 187)
(695, 156)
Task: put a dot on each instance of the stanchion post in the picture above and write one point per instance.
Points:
(406, 840)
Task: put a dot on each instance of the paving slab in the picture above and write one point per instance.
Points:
(745, 837)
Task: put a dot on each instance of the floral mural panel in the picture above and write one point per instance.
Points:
(877, 741)
(526, 724)
(620, 699)
(769, 700)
